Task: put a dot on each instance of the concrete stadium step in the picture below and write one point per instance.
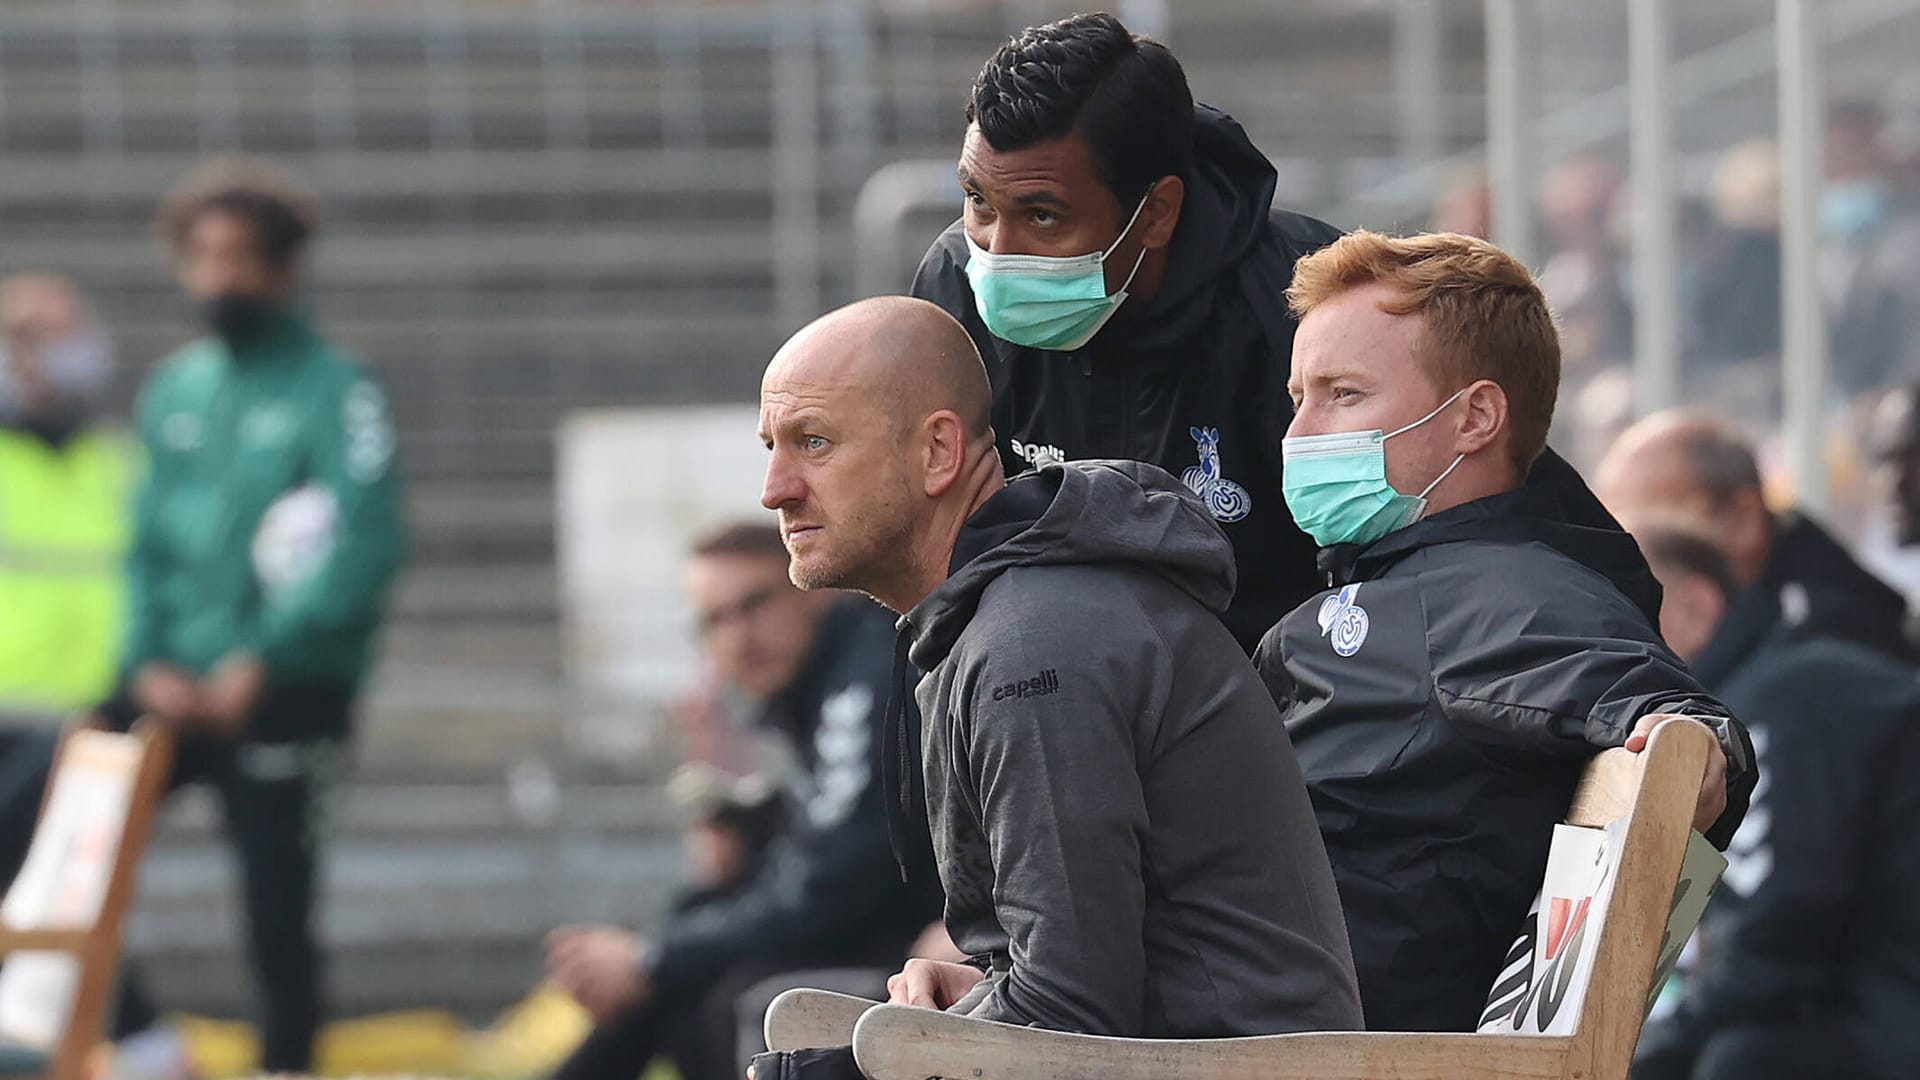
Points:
(462, 722)
(558, 253)
(472, 175)
(499, 593)
(470, 535)
(420, 881)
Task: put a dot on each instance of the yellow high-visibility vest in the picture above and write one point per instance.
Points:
(66, 520)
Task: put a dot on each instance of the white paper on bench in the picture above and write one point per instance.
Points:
(61, 886)
(1542, 985)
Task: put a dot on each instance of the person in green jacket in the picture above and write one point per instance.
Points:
(266, 536)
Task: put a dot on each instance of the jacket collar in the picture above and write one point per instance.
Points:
(1752, 617)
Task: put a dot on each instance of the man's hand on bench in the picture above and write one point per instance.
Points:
(1713, 784)
(600, 967)
(932, 984)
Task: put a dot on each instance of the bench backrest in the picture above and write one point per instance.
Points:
(1656, 791)
(78, 876)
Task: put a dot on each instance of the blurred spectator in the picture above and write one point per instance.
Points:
(729, 823)
(829, 893)
(66, 486)
(267, 535)
(1678, 464)
(1891, 545)
(1734, 315)
(1810, 957)
(1592, 415)
(1584, 280)
(1465, 207)
(66, 482)
(1869, 256)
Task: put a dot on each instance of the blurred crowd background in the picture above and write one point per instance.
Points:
(544, 220)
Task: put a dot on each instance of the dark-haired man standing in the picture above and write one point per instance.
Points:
(1120, 269)
(265, 540)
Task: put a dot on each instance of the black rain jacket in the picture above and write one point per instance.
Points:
(1815, 924)
(1443, 699)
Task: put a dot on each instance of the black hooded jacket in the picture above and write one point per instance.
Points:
(1121, 828)
(1815, 923)
(1821, 590)
(1194, 382)
(1443, 699)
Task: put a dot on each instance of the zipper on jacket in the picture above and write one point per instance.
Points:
(901, 819)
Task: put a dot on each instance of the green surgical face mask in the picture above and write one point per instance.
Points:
(1336, 485)
(1045, 301)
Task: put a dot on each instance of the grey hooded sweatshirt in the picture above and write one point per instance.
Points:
(1117, 816)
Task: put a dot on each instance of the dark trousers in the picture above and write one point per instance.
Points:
(696, 1029)
(271, 797)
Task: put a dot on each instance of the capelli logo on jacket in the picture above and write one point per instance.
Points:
(1047, 682)
(1039, 455)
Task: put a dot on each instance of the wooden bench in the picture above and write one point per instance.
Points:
(1655, 790)
(60, 922)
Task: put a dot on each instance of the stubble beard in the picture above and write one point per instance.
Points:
(866, 553)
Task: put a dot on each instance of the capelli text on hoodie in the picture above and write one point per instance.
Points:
(1046, 682)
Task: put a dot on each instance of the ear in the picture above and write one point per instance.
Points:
(1485, 420)
(1162, 212)
(943, 441)
(1748, 527)
(1751, 507)
(1690, 613)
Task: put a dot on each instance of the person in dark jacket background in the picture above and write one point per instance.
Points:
(1685, 463)
(1485, 637)
(1810, 958)
(1120, 826)
(827, 893)
(1119, 265)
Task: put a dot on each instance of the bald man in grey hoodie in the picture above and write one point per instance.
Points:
(1118, 821)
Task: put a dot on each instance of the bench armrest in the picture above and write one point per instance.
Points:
(802, 1019)
(899, 1042)
(13, 940)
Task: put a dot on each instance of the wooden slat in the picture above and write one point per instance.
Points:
(799, 1019)
(1630, 937)
(17, 939)
(1655, 790)
(899, 1042)
(1606, 788)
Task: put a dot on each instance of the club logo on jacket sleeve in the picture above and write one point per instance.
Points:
(1226, 500)
(1343, 621)
(841, 743)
